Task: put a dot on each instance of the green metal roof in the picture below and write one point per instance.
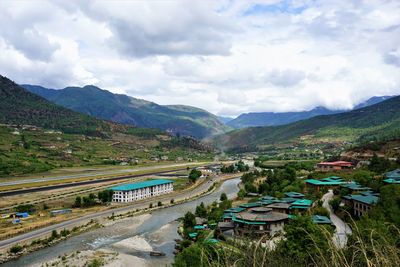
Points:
(303, 202)
(192, 235)
(392, 181)
(199, 227)
(319, 219)
(247, 222)
(393, 174)
(250, 205)
(129, 187)
(288, 199)
(294, 194)
(368, 199)
(211, 241)
(355, 186)
(234, 210)
(333, 180)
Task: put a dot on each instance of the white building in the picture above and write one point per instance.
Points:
(137, 191)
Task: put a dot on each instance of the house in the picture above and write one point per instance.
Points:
(259, 221)
(328, 182)
(333, 166)
(361, 203)
(392, 177)
(141, 190)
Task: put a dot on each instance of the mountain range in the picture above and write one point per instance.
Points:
(280, 118)
(175, 119)
(375, 122)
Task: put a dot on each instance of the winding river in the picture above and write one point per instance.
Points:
(157, 230)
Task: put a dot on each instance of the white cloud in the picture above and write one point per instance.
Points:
(228, 57)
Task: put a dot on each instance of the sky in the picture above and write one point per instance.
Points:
(228, 57)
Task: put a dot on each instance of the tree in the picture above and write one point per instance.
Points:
(105, 196)
(304, 240)
(223, 197)
(190, 257)
(241, 194)
(78, 202)
(201, 210)
(194, 175)
(189, 220)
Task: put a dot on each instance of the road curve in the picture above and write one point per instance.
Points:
(342, 228)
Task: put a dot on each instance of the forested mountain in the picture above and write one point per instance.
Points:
(280, 118)
(91, 100)
(379, 121)
(18, 106)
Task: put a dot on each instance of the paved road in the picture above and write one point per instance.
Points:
(342, 228)
(91, 174)
(82, 220)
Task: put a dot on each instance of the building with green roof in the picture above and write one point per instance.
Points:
(361, 203)
(259, 221)
(136, 191)
(355, 187)
(328, 182)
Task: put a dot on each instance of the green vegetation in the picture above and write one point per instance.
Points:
(194, 175)
(237, 167)
(377, 122)
(16, 249)
(183, 120)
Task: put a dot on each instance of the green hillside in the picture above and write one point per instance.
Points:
(378, 121)
(91, 100)
(36, 136)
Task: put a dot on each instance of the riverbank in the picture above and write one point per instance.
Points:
(111, 219)
(158, 228)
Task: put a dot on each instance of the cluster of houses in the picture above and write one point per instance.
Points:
(361, 198)
(266, 217)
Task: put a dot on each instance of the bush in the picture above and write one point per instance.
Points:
(15, 249)
(159, 203)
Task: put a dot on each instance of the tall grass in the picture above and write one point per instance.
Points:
(366, 247)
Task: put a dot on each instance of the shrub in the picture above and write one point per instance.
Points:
(15, 249)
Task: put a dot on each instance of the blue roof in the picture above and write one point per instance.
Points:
(368, 198)
(331, 180)
(129, 187)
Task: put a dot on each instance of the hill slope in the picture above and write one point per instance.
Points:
(280, 118)
(381, 120)
(18, 106)
(91, 100)
(81, 141)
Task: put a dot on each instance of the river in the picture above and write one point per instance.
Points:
(157, 230)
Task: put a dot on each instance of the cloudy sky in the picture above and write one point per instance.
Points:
(228, 57)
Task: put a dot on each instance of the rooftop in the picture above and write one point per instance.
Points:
(250, 205)
(319, 219)
(134, 186)
(369, 197)
(294, 194)
(355, 186)
(332, 180)
(279, 205)
(259, 218)
(303, 202)
(393, 174)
